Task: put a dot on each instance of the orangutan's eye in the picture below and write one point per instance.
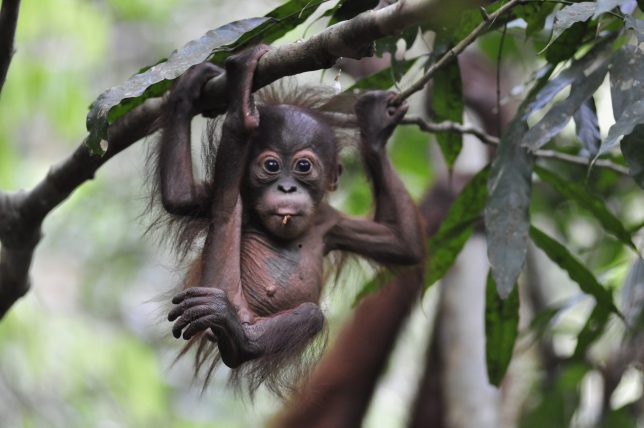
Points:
(303, 166)
(272, 165)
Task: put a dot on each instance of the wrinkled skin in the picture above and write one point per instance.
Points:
(270, 226)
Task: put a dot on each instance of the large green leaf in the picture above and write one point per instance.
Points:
(588, 201)
(575, 72)
(154, 81)
(456, 228)
(506, 214)
(501, 329)
(625, 87)
(447, 104)
(561, 113)
(575, 269)
(507, 217)
(215, 45)
(627, 95)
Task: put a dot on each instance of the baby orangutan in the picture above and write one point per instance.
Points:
(256, 291)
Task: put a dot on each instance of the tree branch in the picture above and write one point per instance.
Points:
(491, 140)
(488, 20)
(21, 214)
(8, 20)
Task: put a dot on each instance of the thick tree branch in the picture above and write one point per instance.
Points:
(8, 20)
(21, 214)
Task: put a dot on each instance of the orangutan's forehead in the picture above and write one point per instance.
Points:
(292, 128)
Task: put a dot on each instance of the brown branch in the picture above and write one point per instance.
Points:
(8, 20)
(447, 126)
(491, 140)
(21, 214)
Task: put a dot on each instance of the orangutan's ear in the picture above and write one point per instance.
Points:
(333, 182)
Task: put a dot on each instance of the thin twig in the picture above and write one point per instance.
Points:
(448, 126)
(456, 50)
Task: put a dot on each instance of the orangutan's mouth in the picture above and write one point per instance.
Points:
(286, 215)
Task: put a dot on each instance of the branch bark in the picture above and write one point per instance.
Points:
(21, 214)
(8, 21)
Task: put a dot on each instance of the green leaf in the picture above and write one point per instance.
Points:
(590, 202)
(566, 45)
(501, 329)
(284, 18)
(215, 46)
(447, 104)
(633, 295)
(625, 86)
(462, 217)
(632, 116)
(587, 126)
(561, 113)
(575, 72)
(636, 25)
(507, 218)
(569, 16)
(383, 79)
(631, 147)
(157, 79)
(575, 269)
(627, 94)
(592, 330)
